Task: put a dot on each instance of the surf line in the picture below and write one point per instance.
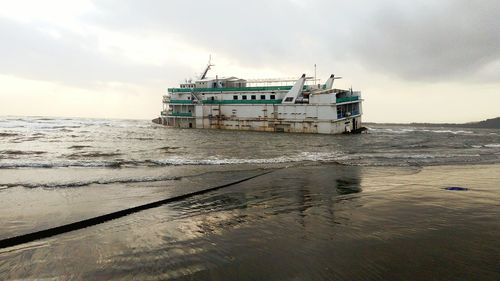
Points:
(30, 237)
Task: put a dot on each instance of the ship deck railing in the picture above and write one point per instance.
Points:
(267, 101)
(344, 115)
(240, 89)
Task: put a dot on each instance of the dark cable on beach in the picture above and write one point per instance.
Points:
(30, 237)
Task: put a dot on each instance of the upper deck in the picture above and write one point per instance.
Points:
(234, 90)
(242, 89)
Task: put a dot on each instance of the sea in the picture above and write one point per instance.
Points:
(396, 203)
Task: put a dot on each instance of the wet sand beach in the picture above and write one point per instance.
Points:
(307, 222)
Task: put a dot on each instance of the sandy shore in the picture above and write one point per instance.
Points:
(318, 222)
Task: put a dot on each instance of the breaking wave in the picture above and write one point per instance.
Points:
(302, 157)
(174, 161)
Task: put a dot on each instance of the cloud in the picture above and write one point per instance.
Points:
(448, 40)
(431, 41)
(45, 52)
(253, 32)
(139, 42)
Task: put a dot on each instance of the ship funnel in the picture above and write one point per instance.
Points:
(295, 90)
(329, 82)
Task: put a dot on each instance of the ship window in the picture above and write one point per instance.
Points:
(235, 97)
(262, 97)
(273, 97)
(289, 99)
(189, 98)
(244, 97)
(254, 97)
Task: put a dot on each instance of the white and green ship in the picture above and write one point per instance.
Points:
(275, 105)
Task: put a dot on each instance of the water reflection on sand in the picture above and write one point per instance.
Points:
(312, 222)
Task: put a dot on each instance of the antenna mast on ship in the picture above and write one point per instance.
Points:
(315, 74)
(207, 68)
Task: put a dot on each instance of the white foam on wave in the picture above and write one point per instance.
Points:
(492, 145)
(449, 131)
(389, 130)
(176, 161)
(302, 157)
(409, 156)
(410, 130)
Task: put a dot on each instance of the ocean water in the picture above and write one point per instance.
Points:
(399, 202)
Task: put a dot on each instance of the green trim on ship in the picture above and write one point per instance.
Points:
(241, 101)
(347, 99)
(181, 114)
(181, 101)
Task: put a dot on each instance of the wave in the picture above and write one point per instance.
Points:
(89, 182)
(21, 152)
(492, 145)
(169, 147)
(92, 154)
(411, 130)
(3, 135)
(325, 157)
(302, 157)
(174, 161)
(79, 146)
(449, 131)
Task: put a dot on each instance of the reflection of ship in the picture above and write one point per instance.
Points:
(262, 105)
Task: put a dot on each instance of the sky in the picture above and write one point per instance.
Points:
(413, 61)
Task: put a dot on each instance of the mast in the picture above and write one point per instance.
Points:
(315, 74)
(207, 68)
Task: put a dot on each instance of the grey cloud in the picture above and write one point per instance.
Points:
(424, 40)
(27, 51)
(433, 41)
(253, 32)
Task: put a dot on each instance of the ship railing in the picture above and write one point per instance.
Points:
(347, 114)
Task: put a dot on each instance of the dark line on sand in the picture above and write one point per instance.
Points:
(30, 237)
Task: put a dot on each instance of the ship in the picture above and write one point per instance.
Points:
(273, 105)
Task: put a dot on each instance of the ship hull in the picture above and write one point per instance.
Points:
(298, 118)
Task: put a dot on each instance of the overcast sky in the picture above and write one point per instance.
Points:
(414, 61)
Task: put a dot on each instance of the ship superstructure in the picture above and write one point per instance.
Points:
(262, 105)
